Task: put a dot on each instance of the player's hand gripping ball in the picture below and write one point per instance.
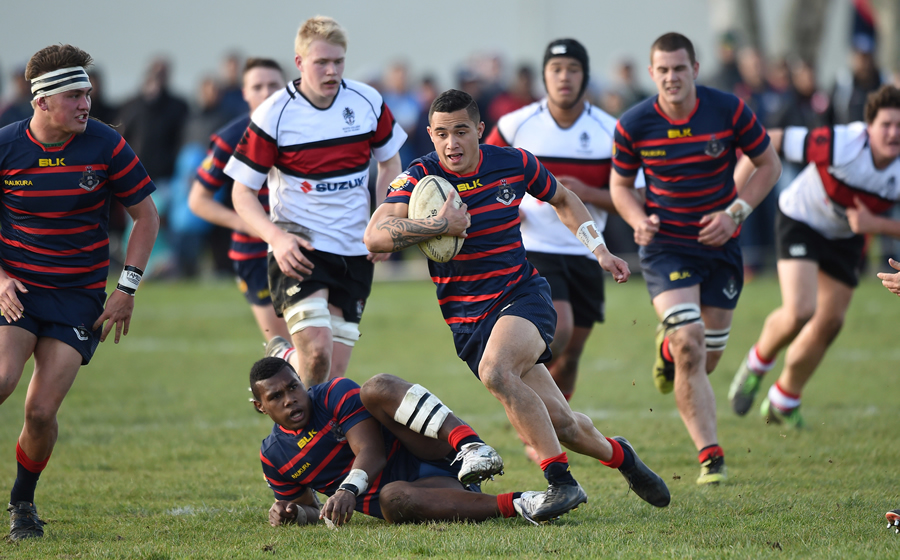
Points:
(425, 202)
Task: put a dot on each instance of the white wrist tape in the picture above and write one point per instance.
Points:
(130, 279)
(590, 236)
(739, 211)
(357, 482)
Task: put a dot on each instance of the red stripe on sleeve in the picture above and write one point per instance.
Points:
(737, 114)
(119, 147)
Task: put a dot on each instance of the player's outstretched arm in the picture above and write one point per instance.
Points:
(368, 446)
(574, 215)
(303, 510)
(628, 204)
(203, 204)
(285, 246)
(891, 281)
(391, 230)
(120, 305)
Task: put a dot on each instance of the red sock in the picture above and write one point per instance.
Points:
(505, 503)
(709, 452)
(561, 458)
(31, 466)
(459, 436)
(762, 360)
(667, 356)
(618, 455)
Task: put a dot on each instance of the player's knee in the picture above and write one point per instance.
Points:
(377, 388)
(398, 503)
(306, 313)
(496, 379)
(40, 417)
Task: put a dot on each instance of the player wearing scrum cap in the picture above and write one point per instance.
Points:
(312, 143)
(495, 302)
(60, 172)
(687, 138)
(573, 140)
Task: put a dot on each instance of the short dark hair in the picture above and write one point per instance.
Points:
(885, 97)
(264, 369)
(453, 100)
(262, 63)
(671, 42)
(55, 57)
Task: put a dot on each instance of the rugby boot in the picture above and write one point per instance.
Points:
(663, 369)
(743, 388)
(557, 500)
(277, 346)
(479, 462)
(648, 485)
(775, 416)
(712, 471)
(525, 503)
(24, 522)
(893, 518)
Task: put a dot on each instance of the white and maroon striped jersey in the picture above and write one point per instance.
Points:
(583, 151)
(317, 161)
(839, 168)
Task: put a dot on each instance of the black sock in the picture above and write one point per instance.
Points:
(558, 473)
(23, 488)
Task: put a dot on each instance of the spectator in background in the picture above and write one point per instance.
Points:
(848, 98)
(519, 94)
(153, 124)
(19, 107)
(626, 84)
(808, 105)
(231, 99)
(728, 75)
(402, 103)
(419, 141)
(100, 108)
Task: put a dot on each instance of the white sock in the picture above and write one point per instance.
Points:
(288, 354)
(785, 402)
(755, 363)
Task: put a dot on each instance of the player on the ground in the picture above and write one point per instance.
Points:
(60, 172)
(389, 449)
(852, 175)
(573, 140)
(686, 138)
(313, 141)
(497, 305)
(262, 77)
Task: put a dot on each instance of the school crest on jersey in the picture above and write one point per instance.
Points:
(714, 147)
(399, 182)
(349, 116)
(89, 179)
(505, 193)
(585, 140)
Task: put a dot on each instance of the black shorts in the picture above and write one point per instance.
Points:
(347, 279)
(841, 259)
(253, 280)
(720, 273)
(65, 315)
(577, 280)
(531, 301)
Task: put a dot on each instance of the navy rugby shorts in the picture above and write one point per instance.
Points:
(532, 301)
(65, 314)
(253, 280)
(720, 273)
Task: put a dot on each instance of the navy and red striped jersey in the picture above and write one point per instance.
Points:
(492, 260)
(211, 175)
(318, 456)
(54, 206)
(688, 164)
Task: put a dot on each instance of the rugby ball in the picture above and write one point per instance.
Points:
(426, 200)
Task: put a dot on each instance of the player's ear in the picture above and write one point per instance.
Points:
(480, 129)
(297, 60)
(258, 406)
(696, 69)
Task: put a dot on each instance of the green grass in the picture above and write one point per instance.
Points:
(158, 448)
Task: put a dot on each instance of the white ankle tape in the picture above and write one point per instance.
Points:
(421, 412)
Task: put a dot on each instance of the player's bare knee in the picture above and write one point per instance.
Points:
(379, 389)
(397, 503)
(40, 417)
(497, 380)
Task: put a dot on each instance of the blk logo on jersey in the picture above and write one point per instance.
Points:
(349, 116)
(89, 179)
(714, 148)
(505, 193)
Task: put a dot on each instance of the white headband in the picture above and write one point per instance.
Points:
(58, 81)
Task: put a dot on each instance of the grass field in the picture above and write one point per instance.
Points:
(158, 448)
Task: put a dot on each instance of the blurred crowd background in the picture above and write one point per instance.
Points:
(775, 67)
